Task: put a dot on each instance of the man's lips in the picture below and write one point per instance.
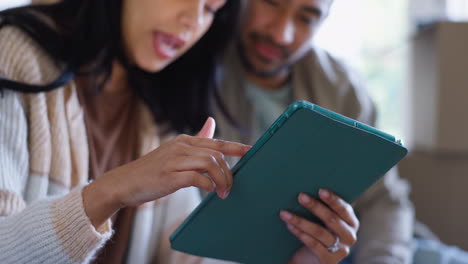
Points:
(166, 45)
(268, 51)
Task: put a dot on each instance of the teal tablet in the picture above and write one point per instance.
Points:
(307, 148)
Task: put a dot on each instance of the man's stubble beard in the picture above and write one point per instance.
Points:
(250, 67)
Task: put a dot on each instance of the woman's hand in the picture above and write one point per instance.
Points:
(323, 245)
(182, 162)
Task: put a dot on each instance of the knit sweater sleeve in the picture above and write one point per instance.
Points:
(55, 230)
(52, 230)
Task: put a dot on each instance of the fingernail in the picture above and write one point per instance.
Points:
(304, 198)
(221, 195)
(324, 194)
(226, 193)
(290, 227)
(285, 215)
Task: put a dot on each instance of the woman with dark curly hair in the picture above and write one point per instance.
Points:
(92, 94)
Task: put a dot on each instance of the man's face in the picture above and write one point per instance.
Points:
(277, 33)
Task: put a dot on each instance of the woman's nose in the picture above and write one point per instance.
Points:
(193, 14)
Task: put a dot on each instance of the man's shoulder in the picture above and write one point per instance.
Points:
(320, 69)
(327, 63)
(332, 83)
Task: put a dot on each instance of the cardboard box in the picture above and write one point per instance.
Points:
(438, 99)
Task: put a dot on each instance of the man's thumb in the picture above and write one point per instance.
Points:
(208, 129)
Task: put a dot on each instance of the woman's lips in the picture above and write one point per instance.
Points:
(166, 45)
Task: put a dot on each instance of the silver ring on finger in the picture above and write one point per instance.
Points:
(335, 247)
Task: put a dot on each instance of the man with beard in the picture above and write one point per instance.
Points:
(272, 64)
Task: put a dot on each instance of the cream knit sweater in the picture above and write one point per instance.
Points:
(44, 166)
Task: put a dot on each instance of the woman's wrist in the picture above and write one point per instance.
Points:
(101, 200)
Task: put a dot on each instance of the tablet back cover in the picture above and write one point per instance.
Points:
(308, 152)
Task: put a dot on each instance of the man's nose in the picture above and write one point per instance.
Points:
(282, 30)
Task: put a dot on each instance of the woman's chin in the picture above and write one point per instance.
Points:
(153, 66)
